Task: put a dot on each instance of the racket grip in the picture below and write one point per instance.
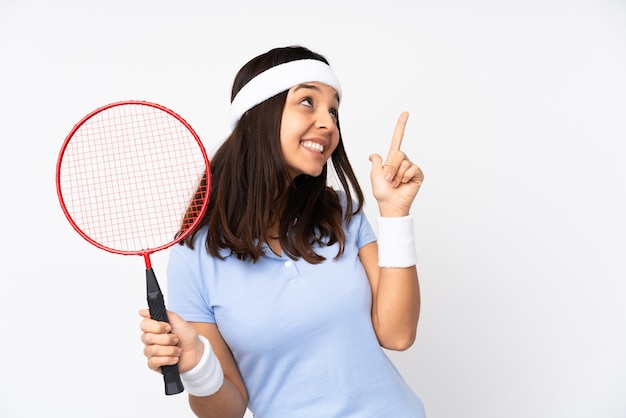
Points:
(156, 304)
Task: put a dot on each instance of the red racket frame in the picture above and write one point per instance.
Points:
(156, 303)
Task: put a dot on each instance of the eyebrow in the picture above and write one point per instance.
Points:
(312, 87)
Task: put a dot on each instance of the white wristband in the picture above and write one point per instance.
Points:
(396, 242)
(207, 376)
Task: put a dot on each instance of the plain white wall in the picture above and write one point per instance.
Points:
(518, 119)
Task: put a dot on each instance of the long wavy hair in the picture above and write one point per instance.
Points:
(251, 189)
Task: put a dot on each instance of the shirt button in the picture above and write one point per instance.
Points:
(287, 263)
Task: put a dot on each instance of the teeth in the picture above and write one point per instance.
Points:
(314, 146)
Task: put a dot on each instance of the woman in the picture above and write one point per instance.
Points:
(281, 300)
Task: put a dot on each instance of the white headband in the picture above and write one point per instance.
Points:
(278, 79)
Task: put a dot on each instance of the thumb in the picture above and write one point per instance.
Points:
(174, 319)
(377, 161)
(377, 166)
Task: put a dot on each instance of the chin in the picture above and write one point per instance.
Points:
(311, 172)
(315, 173)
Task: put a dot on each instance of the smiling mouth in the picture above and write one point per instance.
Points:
(313, 146)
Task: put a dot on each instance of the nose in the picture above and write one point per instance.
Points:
(325, 120)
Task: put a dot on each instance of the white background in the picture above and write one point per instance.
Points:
(518, 119)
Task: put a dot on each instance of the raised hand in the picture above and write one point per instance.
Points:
(395, 182)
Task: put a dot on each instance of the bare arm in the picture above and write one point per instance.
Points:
(232, 398)
(395, 300)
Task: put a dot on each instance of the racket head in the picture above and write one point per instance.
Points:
(133, 178)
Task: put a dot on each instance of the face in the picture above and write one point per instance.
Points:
(308, 132)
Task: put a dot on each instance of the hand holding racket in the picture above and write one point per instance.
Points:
(133, 178)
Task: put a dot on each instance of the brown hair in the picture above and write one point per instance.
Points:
(251, 188)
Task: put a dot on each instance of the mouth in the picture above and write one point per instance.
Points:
(314, 146)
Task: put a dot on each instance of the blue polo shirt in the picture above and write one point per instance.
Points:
(301, 334)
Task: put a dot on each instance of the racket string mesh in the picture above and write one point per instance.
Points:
(129, 176)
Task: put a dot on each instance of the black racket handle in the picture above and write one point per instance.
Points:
(156, 304)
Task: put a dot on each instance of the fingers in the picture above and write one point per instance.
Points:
(159, 344)
(395, 165)
(398, 132)
(155, 327)
(156, 363)
(149, 338)
(161, 355)
(409, 172)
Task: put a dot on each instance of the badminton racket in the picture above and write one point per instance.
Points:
(133, 178)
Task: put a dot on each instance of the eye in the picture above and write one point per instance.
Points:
(307, 101)
(335, 114)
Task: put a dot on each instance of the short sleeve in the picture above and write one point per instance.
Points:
(359, 225)
(366, 232)
(188, 294)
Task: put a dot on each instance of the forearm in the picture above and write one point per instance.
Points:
(227, 402)
(215, 387)
(397, 307)
(397, 297)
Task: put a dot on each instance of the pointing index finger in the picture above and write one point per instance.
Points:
(398, 132)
